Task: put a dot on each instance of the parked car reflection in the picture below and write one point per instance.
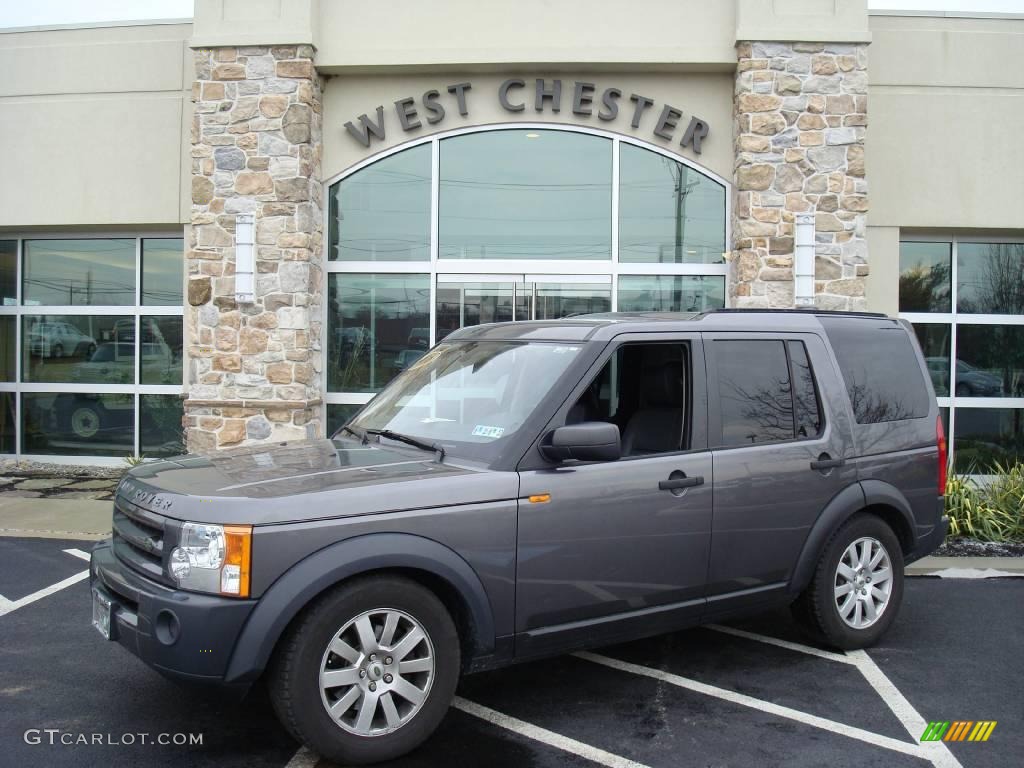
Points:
(57, 340)
(970, 380)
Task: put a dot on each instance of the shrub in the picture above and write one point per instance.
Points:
(990, 509)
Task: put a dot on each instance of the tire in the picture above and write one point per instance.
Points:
(820, 608)
(294, 679)
(963, 390)
(90, 351)
(57, 351)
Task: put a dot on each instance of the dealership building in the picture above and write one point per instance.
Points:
(238, 228)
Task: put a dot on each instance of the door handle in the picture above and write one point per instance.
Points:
(827, 462)
(678, 483)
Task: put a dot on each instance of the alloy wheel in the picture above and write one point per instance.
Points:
(863, 583)
(376, 672)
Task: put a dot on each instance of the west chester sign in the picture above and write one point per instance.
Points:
(516, 95)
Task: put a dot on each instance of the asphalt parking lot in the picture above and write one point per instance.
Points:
(750, 694)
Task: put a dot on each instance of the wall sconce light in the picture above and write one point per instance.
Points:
(245, 260)
(803, 261)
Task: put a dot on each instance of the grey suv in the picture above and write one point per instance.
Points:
(527, 489)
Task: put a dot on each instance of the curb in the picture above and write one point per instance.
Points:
(933, 566)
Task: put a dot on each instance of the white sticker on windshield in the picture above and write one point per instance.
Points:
(482, 430)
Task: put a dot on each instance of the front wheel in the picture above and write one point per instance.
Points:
(368, 672)
(857, 586)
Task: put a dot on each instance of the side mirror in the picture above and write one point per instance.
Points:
(589, 441)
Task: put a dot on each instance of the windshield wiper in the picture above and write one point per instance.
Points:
(415, 442)
(347, 428)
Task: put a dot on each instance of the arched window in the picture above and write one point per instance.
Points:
(509, 223)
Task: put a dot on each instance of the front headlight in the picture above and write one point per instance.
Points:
(213, 558)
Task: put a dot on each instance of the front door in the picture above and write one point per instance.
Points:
(776, 427)
(473, 299)
(609, 550)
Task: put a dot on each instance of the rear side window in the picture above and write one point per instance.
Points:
(880, 368)
(766, 392)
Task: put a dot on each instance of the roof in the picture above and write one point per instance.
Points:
(604, 326)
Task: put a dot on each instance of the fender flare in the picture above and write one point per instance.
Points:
(283, 600)
(883, 493)
(843, 505)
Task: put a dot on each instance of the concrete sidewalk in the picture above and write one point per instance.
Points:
(90, 521)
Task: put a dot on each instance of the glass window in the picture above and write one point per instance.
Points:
(525, 194)
(382, 212)
(985, 436)
(989, 360)
(374, 319)
(9, 272)
(338, 414)
(880, 368)
(554, 301)
(79, 272)
(925, 277)
(989, 278)
(8, 418)
(163, 265)
(666, 293)
(160, 430)
(934, 339)
(160, 350)
(463, 304)
(62, 348)
(8, 328)
(78, 423)
(755, 395)
(805, 391)
(644, 388)
(668, 212)
(470, 397)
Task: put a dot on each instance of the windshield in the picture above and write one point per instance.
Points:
(469, 397)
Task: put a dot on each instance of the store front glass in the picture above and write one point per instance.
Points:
(965, 299)
(508, 224)
(91, 346)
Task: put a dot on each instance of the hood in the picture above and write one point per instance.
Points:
(307, 480)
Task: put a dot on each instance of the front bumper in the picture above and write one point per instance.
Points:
(183, 635)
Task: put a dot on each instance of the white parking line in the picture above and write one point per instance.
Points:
(781, 643)
(937, 752)
(13, 605)
(543, 735)
(76, 553)
(304, 758)
(763, 706)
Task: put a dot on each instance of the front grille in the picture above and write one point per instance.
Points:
(139, 539)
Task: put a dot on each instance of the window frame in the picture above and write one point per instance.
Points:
(604, 269)
(715, 428)
(952, 320)
(697, 396)
(137, 311)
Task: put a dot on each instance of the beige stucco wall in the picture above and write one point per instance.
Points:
(944, 145)
(707, 95)
(94, 126)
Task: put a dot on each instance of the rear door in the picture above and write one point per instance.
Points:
(779, 436)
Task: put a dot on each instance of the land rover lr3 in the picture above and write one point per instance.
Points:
(526, 489)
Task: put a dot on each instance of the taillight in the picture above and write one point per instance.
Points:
(940, 439)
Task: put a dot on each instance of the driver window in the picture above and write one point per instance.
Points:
(644, 389)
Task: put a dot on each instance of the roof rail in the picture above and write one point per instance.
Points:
(808, 311)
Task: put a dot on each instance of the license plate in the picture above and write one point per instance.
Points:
(101, 614)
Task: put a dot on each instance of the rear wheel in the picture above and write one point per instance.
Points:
(368, 671)
(857, 586)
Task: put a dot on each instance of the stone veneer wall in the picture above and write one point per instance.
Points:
(256, 142)
(799, 121)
